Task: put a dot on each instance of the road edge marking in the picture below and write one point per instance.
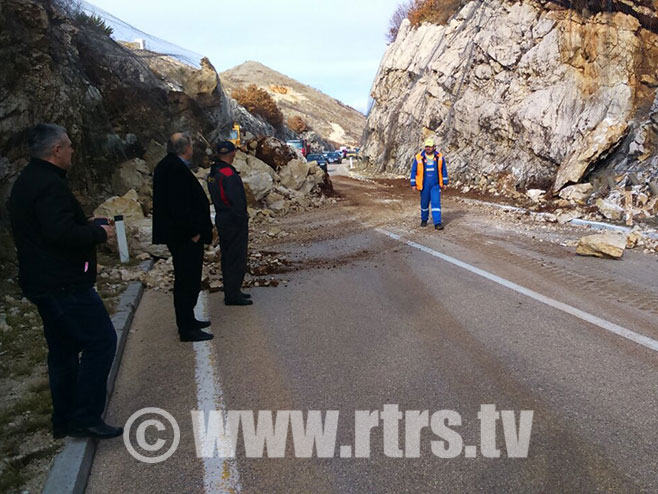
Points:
(640, 339)
(221, 475)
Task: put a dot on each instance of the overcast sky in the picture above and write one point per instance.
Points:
(334, 46)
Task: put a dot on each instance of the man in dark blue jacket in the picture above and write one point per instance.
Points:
(232, 220)
(56, 247)
(181, 219)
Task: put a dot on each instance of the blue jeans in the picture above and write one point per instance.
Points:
(81, 346)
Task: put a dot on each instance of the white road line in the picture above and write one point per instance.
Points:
(220, 474)
(585, 316)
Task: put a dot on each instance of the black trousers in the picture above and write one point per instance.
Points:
(81, 346)
(233, 243)
(188, 264)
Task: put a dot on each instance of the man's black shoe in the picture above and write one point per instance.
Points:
(238, 301)
(201, 324)
(60, 432)
(245, 295)
(423, 223)
(196, 335)
(438, 226)
(100, 431)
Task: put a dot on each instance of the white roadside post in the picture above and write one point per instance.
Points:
(121, 238)
(351, 164)
(628, 200)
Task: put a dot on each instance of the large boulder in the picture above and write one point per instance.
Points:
(578, 193)
(607, 245)
(257, 176)
(132, 175)
(293, 175)
(609, 209)
(272, 151)
(593, 147)
(127, 205)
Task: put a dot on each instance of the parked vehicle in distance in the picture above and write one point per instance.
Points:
(334, 157)
(319, 157)
(299, 144)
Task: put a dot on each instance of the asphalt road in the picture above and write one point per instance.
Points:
(364, 320)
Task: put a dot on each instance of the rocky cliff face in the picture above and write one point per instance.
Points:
(529, 90)
(115, 103)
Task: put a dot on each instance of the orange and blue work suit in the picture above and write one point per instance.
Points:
(429, 175)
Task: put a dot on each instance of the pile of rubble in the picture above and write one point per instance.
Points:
(262, 265)
(633, 208)
(628, 198)
(284, 183)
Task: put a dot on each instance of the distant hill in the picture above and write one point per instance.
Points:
(327, 116)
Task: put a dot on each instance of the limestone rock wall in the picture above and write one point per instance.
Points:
(526, 89)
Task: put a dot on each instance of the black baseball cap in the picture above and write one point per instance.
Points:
(225, 147)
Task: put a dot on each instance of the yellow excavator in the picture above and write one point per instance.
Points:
(235, 135)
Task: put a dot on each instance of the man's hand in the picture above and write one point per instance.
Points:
(110, 232)
(196, 238)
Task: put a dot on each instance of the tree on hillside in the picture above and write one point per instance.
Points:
(298, 124)
(257, 101)
(400, 14)
(432, 11)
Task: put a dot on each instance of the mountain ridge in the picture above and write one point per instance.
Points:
(332, 119)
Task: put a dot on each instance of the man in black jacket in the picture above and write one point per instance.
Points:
(56, 247)
(181, 219)
(232, 221)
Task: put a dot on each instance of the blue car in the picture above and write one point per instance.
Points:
(319, 157)
(334, 157)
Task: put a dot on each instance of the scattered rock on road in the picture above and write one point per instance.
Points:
(607, 245)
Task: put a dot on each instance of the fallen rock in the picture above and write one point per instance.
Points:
(127, 205)
(276, 202)
(566, 217)
(634, 239)
(606, 245)
(272, 151)
(132, 175)
(257, 176)
(578, 193)
(293, 175)
(609, 209)
(535, 195)
(593, 146)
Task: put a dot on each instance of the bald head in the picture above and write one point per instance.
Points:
(180, 143)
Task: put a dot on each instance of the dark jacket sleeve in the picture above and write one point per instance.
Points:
(235, 193)
(56, 217)
(213, 189)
